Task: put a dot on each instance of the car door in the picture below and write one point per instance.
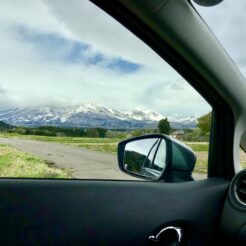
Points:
(114, 212)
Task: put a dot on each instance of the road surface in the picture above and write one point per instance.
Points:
(81, 162)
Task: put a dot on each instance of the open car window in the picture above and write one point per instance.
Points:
(74, 82)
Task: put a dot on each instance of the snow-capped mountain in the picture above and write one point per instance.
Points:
(88, 115)
(139, 114)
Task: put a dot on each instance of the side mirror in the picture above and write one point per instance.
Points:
(156, 157)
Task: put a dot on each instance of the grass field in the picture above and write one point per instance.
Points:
(66, 140)
(14, 163)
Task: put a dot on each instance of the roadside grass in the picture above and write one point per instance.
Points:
(201, 163)
(108, 148)
(14, 163)
(64, 140)
(197, 147)
(92, 143)
(112, 147)
(243, 158)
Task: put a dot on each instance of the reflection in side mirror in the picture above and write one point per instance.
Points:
(156, 157)
(145, 157)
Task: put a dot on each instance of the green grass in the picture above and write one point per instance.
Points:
(201, 166)
(112, 147)
(197, 147)
(14, 163)
(64, 140)
(243, 158)
(108, 148)
(3, 145)
(88, 142)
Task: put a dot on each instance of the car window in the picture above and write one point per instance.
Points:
(74, 83)
(223, 17)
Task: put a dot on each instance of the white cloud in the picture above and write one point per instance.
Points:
(89, 24)
(34, 75)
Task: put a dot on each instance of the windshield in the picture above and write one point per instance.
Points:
(227, 21)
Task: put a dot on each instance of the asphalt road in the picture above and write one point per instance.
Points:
(81, 162)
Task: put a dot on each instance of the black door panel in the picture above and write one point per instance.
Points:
(58, 212)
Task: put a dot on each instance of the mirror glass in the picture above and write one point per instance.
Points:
(145, 157)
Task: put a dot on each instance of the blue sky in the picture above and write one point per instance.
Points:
(52, 52)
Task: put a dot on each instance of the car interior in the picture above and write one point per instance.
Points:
(168, 210)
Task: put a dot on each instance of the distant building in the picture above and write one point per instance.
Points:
(178, 135)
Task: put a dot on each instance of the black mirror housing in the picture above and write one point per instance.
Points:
(175, 163)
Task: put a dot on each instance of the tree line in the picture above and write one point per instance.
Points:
(53, 131)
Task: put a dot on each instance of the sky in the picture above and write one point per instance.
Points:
(63, 53)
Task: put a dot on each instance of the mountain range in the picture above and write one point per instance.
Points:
(89, 115)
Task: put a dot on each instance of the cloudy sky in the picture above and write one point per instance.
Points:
(60, 52)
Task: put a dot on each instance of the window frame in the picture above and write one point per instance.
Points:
(222, 127)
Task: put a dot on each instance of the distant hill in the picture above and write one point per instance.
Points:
(4, 125)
